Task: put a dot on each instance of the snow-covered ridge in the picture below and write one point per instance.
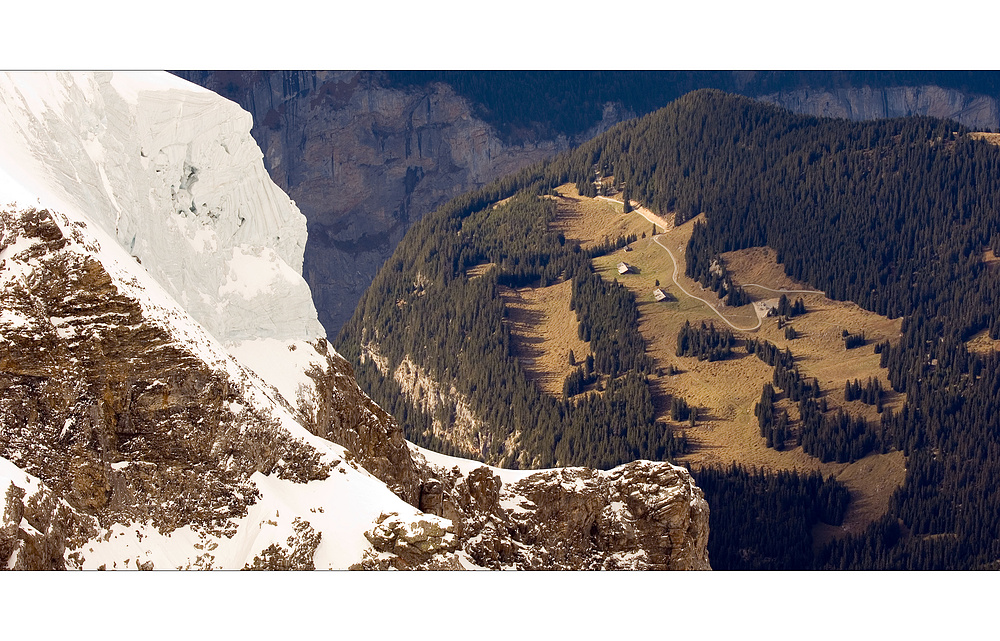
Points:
(171, 172)
(160, 183)
(322, 520)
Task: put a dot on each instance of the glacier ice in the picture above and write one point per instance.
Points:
(169, 170)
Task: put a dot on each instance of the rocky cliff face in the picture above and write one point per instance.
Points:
(132, 436)
(865, 103)
(642, 515)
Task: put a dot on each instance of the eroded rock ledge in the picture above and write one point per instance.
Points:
(640, 516)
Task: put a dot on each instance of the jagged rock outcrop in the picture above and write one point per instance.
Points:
(642, 515)
(35, 526)
(130, 435)
(347, 416)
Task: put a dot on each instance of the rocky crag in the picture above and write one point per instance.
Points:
(114, 427)
(135, 434)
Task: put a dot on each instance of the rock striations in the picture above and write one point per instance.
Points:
(168, 401)
(866, 103)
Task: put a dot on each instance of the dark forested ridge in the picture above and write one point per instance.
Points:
(891, 214)
(763, 520)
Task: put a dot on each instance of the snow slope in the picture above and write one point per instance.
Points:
(340, 508)
(160, 182)
(171, 172)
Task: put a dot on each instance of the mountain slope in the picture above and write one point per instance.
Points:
(141, 422)
(898, 216)
(137, 434)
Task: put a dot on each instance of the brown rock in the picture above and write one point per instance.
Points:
(642, 515)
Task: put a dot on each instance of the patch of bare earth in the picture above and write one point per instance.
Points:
(990, 259)
(981, 343)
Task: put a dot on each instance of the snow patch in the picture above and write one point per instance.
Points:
(342, 508)
(257, 271)
(281, 363)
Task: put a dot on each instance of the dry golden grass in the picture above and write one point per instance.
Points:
(725, 392)
(591, 221)
(819, 349)
(478, 270)
(981, 343)
(985, 135)
(544, 331)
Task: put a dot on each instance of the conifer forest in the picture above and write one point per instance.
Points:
(894, 215)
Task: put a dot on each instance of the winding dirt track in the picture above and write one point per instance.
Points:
(656, 239)
(660, 221)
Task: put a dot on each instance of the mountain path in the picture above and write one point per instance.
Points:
(760, 319)
(657, 220)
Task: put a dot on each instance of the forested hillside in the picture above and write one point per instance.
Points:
(452, 326)
(893, 214)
